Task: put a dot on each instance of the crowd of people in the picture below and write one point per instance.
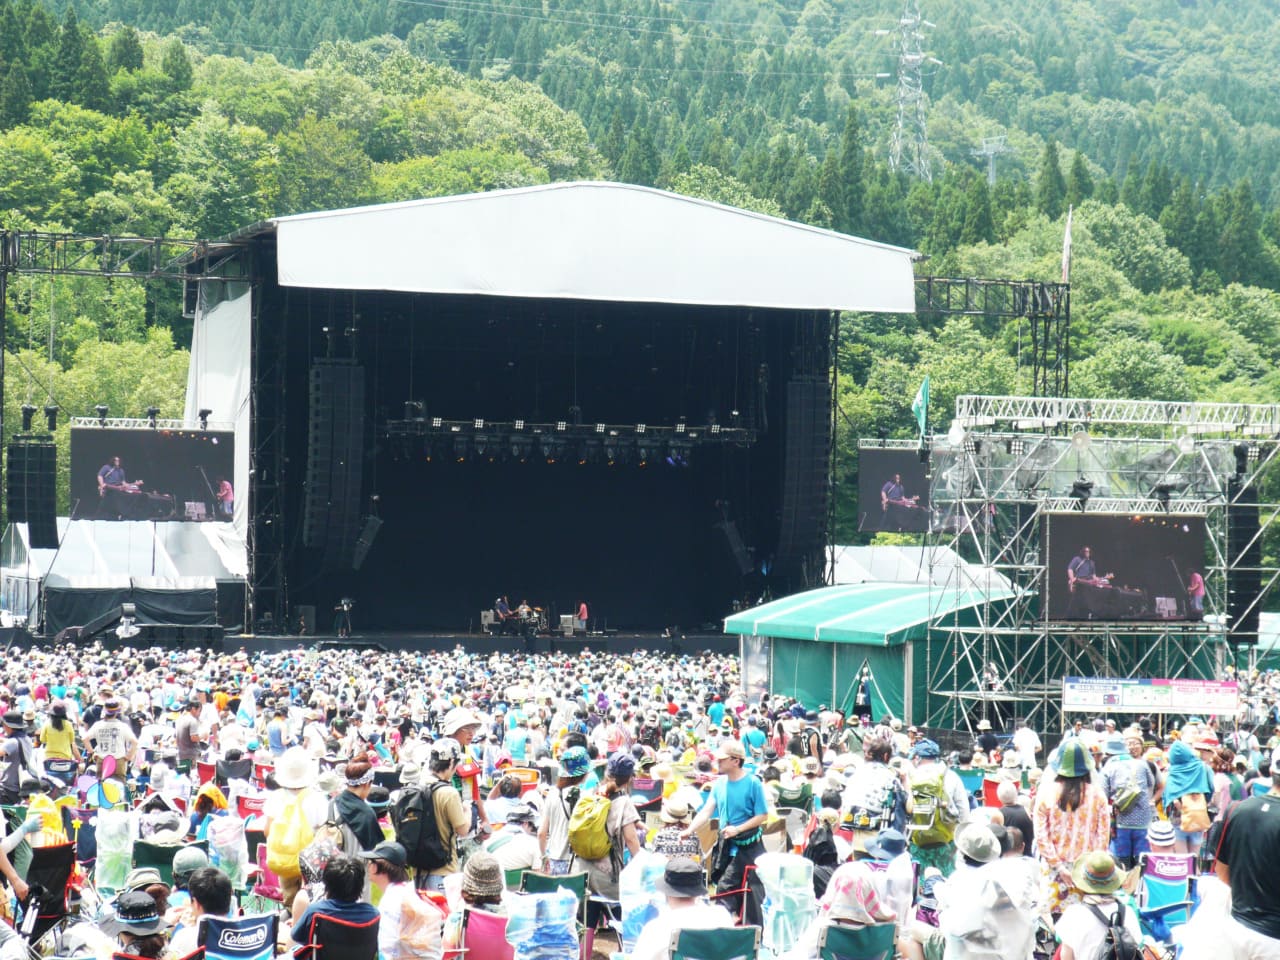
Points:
(567, 764)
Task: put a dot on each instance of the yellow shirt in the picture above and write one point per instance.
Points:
(58, 743)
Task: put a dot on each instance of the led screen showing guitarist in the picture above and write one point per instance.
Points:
(123, 499)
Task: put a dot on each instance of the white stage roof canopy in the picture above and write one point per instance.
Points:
(593, 241)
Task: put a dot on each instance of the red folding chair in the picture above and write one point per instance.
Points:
(248, 807)
(205, 771)
(260, 771)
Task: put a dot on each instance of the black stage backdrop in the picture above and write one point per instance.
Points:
(646, 548)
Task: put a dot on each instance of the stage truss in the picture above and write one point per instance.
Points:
(1007, 462)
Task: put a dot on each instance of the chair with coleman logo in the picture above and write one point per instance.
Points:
(244, 938)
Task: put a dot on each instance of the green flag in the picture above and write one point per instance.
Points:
(920, 405)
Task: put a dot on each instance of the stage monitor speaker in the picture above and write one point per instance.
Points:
(335, 461)
(371, 527)
(802, 536)
(1244, 562)
(31, 490)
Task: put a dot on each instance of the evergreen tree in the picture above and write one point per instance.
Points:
(639, 162)
(1051, 186)
(831, 191)
(15, 96)
(126, 51)
(978, 227)
(66, 65)
(852, 172)
(93, 86)
(1156, 191)
(1131, 190)
(1079, 181)
(176, 65)
(1240, 252)
(1178, 220)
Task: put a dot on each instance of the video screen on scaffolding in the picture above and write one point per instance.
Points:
(1124, 567)
(143, 474)
(893, 491)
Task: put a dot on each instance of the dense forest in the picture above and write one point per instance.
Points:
(1156, 120)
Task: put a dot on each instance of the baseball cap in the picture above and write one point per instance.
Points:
(731, 748)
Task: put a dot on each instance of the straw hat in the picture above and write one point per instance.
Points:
(674, 810)
(296, 769)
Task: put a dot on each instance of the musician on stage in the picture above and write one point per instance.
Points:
(895, 503)
(226, 498)
(1083, 570)
(1195, 594)
(114, 486)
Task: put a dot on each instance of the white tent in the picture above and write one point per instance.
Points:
(593, 241)
(941, 567)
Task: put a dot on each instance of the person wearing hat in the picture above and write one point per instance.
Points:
(113, 737)
(1188, 782)
(410, 926)
(18, 753)
(482, 883)
(987, 739)
(669, 840)
(452, 822)
(1082, 928)
(553, 831)
(516, 844)
(738, 800)
(684, 885)
(137, 925)
(623, 825)
(1130, 783)
(462, 725)
(58, 737)
(1072, 817)
(295, 776)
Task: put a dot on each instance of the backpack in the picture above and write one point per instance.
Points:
(1127, 793)
(933, 821)
(413, 816)
(871, 798)
(1117, 942)
(589, 827)
(290, 834)
(1195, 812)
(335, 831)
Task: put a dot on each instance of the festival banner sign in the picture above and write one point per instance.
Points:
(1133, 695)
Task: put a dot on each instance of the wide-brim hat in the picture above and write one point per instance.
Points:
(296, 769)
(1074, 760)
(13, 720)
(1096, 872)
(682, 878)
(1115, 745)
(984, 724)
(136, 913)
(887, 844)
(674, 810)
(977, 842)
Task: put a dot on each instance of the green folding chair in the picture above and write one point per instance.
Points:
(839, 942)
(512, 878)
(726, 943)
(533, 882)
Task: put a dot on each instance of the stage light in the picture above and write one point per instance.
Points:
(599, 428)
(552, 448)
(955, 435)
(484, 446)
(520, 447)
(680, 425)
(1162, 492)
(562, 425)
(715, 429)
(204, 415)
(1081, 491)
(102, 410)
(51, 416)
(153, 414)
(28, 413)
(1186, 444)
(518, 425)
(437, 422)
(678, 454)
(644, 453)
(616, 451)
(1017, 446)
(1080, 440)
(1255, 453)
(413, 410)
(478, 423)
(971, 446)
(640, 427)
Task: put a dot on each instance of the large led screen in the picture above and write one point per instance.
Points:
(1110, 567)
(893, 491)
(152, 474)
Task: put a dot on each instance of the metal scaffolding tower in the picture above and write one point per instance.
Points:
(1009, 464)
(909, 147)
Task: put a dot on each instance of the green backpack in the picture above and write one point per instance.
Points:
(932, 819)
(589, 827)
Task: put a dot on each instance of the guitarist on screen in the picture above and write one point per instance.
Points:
(114, 487)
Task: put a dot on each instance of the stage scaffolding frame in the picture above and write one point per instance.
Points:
(1007, 462)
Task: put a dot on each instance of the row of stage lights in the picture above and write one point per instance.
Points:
(551, 449)
(103, 412)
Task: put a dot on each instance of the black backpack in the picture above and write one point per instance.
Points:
(414, 817)
(1118, 942)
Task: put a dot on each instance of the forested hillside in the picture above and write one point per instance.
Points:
(1155, 119)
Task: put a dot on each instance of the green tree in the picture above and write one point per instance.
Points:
(176, 65)
(66, 65)
(851, 217)
(1051, 186)
(328, 168)
(126, 50)
(1129, 367)
(1079, 180)
(15, 96)
(639, 163)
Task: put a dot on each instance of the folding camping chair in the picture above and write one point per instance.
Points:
(158, 855)
(534, 882)
(1165, 894)
(839, 942)
(48, 876)
(227, 770)
(731, 943)
(244, 938)
(484, 936)
(329, 938)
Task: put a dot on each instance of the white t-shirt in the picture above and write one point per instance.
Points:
(1080, 930)
(1026, 743)
(514, 849)
(655, 938)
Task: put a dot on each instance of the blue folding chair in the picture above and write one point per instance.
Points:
(244, 938)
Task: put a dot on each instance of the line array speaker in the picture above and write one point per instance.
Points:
(1244, 560)
(805, 483)
(31, 490)
(367, 534)
(335, 461)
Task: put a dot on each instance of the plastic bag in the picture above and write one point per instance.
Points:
(638, 893)
(789, 906)
(115, 849)
(228, 849)
(543, 926)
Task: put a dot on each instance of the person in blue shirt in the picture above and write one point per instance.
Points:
(738, 800)
(716, 710)
(343, 883)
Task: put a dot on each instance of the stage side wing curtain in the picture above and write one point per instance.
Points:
(593, 241)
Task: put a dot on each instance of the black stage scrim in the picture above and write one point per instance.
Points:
(1124, 567)
(145, 474)
(893, 491)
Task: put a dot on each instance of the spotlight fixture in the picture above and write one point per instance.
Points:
(1186, 444)
(520, 448)
(680, 425)
(1080, 440)
(478, 423)
(102, 410)
(205, 414)
(153, 414)
(461, 448)
(518, 425)
(413, 409)
(562, 425)
(28, 412)
(599, 428)
(715, 429)
(437, 422)
(51, 416)
(1081, 491)
(1017, 446)
(552, 448)
(641, 428)
(971, 446)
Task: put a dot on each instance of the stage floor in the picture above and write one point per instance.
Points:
(481, 643)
